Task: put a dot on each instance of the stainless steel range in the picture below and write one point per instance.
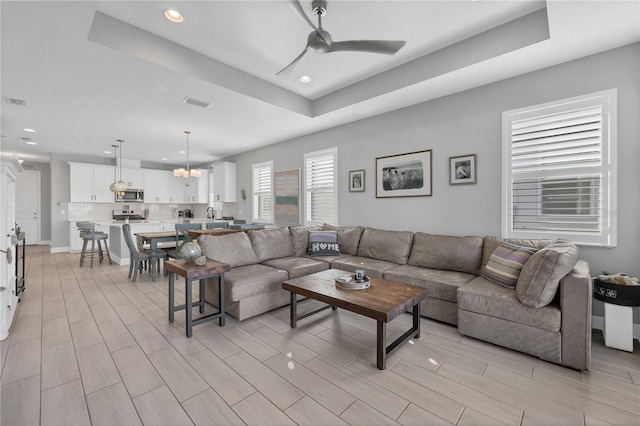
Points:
(127, 213)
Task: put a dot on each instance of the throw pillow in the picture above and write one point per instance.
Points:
(506, 262)
(540, 276)
(323, 243)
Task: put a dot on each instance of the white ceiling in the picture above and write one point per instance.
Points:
(90, 78)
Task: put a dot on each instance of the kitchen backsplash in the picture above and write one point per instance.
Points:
(101, 211)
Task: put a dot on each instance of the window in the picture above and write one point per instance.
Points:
(262, 191)
(559, 174)
(211, 196)
(320, 186)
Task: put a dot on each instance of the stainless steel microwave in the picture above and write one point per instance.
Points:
(130, 196)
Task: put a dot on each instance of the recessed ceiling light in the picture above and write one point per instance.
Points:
(29, 130)
(107, 152)
(182, 152)
(164, 158)
(173, 15)
(32, 143)
(305, 79)
(20, 160)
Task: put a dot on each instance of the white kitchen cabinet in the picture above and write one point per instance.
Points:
(90, 183)
(224, 182)
(9, 170)
(157, 186)
(177, 190)
(134, 178)
(198, 190)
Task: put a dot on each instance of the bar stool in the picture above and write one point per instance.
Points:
(88, 233)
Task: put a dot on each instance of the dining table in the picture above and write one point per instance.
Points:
(153, 238)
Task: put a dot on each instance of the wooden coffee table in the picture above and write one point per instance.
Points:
(383, 301)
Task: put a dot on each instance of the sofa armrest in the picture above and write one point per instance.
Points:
(575, 304)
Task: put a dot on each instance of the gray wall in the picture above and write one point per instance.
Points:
(469, 122)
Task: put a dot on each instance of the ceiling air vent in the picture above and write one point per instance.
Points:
(26, 139)
(16, 102)
(196, 102)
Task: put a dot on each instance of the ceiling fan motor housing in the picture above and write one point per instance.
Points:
(319, 7)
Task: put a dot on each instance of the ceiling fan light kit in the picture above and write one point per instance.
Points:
(319, 40)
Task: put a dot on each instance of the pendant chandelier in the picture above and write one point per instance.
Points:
(188, 174)
(117, 185)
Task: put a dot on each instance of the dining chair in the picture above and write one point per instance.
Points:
(138, 257)
(216, 225)
(88, 233)
(181, 230)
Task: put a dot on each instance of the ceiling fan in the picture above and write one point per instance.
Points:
(320, 41)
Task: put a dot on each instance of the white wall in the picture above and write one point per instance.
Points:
(470, 123)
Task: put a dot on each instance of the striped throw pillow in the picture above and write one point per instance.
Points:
(505, 264)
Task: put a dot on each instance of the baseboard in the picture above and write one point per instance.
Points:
(44, 243)
(60, 249)
(598, 324)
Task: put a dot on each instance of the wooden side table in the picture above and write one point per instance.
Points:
(191, 272)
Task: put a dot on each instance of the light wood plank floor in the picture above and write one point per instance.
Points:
(88, 346)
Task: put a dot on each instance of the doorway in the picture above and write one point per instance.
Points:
(28, 205)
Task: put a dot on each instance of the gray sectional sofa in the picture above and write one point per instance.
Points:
(449, 267)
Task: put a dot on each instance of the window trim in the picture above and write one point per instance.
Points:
(330, 151)
(607, 99)
(253, 192)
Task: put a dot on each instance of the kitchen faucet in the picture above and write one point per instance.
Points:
(212, 214)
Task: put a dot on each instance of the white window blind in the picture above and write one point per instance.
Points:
(321, 186)
(262, 191)
(211, 197)
(559, 176)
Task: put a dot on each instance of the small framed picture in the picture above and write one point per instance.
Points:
(462, 169)
(356, 181)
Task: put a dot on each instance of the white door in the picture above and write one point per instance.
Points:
(28, 205)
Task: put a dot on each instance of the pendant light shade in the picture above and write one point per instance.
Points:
(119, 185)
(188, 174)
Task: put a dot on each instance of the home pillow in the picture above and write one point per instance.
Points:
(540, 276)
(506, 262)
(323, 243)
(348, 237)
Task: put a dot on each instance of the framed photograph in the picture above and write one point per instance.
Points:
(462, 169)
(404, 175)
(287, 195)
(356, 181)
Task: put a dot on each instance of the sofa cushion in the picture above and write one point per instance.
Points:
(540, 276)
(506, 262)
(250, 280)
(235, 249)
(300, 238)
(482, 296)
(390, 246)
(441, 284)
(297, 266)
(323, 243)
(348, 237)
(374, 268)
(461, 254)
(272, 243)
(490, 243)
(329, 259)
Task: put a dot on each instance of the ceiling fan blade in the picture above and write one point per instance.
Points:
(386, 47)
(286, 70)
(297, 8)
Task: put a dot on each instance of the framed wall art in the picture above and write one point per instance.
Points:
(287, 195)
(404, 175)
(462, 169)
(356, 181)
